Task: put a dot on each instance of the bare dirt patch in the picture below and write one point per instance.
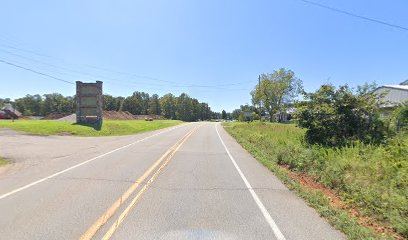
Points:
(125, 115)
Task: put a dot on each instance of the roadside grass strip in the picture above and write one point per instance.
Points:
(358, 174)
(108, 128)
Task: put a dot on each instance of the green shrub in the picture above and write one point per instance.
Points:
(336, 117)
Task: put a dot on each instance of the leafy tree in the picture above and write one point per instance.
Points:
(400, 116)
(56, 102)
(154, 105)
(277, 91)
(168, 106)
(235, 114)
(184, 110)
(133, 104)
(4, 101)
(254, 116)
(334, 117)
(109, 103)
(145, 102)
(29, 105)
(205, 111)
(241, 117)
(224, 114)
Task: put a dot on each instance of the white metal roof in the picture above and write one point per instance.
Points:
(402, 87)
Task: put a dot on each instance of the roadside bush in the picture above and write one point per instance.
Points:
(336, 117)
(400, 116)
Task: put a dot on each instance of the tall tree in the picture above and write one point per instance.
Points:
(55, 102)
(168, 106)
(277, 91)
(133, 104)
(224, 114)
(145, 102)
(109, 103)
(184, 110)
(154, 105)
(30, 104)
(235, 114)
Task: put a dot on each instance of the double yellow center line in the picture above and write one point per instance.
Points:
(120, 201)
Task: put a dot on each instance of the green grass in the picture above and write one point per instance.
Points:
(3, 162)
(109, 127)
(372, 178)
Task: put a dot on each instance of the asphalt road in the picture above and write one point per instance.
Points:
(187, 182)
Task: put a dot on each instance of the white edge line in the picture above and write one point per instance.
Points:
(83, 163)
(269, 219)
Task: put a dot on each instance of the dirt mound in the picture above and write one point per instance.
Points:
(54, 115)
(125, 115)
(114, 115)
(69, 118)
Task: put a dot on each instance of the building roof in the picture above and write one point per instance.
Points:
(401, 87)
(11, 111)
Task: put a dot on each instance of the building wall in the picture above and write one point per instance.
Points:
(394, 95)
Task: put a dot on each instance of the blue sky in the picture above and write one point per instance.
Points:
(198, 47)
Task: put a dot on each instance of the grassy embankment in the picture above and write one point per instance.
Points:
(371, 182)
(109, 127)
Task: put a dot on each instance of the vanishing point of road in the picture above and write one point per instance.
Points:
(192, 181)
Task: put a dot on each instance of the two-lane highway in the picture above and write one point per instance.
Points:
(189, 182)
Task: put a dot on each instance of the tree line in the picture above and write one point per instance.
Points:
(181, 107)
(332, 116)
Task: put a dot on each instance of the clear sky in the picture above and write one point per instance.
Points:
(212, 50)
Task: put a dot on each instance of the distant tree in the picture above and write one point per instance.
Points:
(248, 108)
(5, 101)
(184, 110)
(254, 116)
(56, 102)
(133, 104)
(29, 105)
(235, 114)
(195, 110)
(168, 106)
(241, 117)
(145, 102)
(205, 111)
(277, 91)
(119, 103)
(154, 105)
(224, 114)
(109, 103)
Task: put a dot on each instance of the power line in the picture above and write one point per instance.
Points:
(355, 15)
(218, 86)
(36, 72)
